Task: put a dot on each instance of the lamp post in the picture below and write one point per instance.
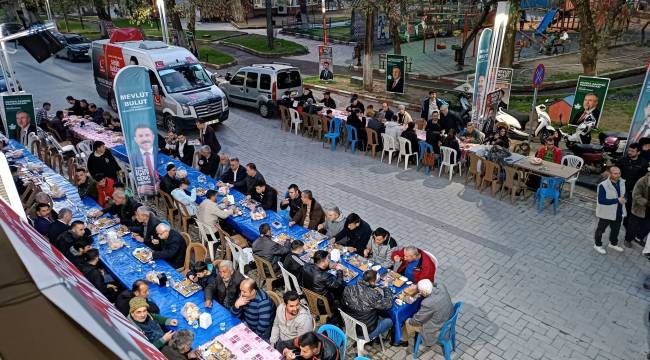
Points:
(163, 20)
(324, 23)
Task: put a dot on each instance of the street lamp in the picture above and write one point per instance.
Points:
(163, 20)
(324, 23)
(498, 34)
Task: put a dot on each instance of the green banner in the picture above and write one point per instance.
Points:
(395, 73)
(19, 116)
(480, 75)
(588, 100)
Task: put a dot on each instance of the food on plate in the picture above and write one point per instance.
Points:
(190, 312)
(314, 236)
(104, 222)
(93, 213)
(123, 230)
(376, 267)
(187, 288)
(201, 191)
(348, 274)
(283, 237)
(143, 254)
(115, 244)
(398, 282)
(152, 276)
(394, 275)
(182, 173)
(216, 351)
(535, 161)
(258, 214)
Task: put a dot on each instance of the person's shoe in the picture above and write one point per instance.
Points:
(615, 247)
(628, 244)
(600, 250)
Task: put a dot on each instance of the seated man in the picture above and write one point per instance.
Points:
(292, 319)
(123, 207)
(180, 346)
(145, 229)
(412, 137)
(76, 233)
(436, 308)
(311, 214)
(292, 262)
(328, 101)
(414, 264)
(169, 181)
(76, 254)
(223, 167)
(253, 177)
(43, 219)
(255, 308)
(317, 278)
(292, 200)
(380, 248)
(105, 188)
(95, 274)
(208, 162)
(181, 195)
(200, 274)
(365, 301)
(225, 286)
(550, 152)
(85, 184)
(172, 246)
(268, 249)
(265, 195)
(355, 234)
(140, 289)
(60, 226)
(471, 134)
(150, 323)
(235, 177)
(310, 346)
(212, 215)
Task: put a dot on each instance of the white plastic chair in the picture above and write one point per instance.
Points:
(239, 257)
(403, 145)
(85, 147)
(290, 280)
(447, 154)
(389, 146)
(574, 162)
(295, 120)
(207, 237)
(351, 331)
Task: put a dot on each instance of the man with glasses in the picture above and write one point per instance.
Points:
(172, 246)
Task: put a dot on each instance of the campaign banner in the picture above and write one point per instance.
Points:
(503, 84)
(136, 110)
(325, 63)
(480, 75)
(640, 125)
(395, 73)
(588, 100)
(19, 119)
(488, 121)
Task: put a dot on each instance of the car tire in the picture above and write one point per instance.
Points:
(169, 123)
(266, 109)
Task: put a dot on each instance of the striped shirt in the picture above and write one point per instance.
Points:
(258, 314)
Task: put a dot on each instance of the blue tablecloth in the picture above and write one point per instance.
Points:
(126, 268)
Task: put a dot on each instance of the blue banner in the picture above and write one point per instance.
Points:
(480, 79)
(136, 109)
(640, 126)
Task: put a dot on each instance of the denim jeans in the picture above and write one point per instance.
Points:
(383, 325)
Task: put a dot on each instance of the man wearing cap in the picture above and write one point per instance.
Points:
(436, 308)
(150, 323)
(356, 104)
(326, 73)
(169, 181)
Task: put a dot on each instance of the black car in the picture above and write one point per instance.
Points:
(76, 47)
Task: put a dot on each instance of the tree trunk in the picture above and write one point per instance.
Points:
(393, 30)
(173, 13)
(100, 9)
(367, 57)
(269, 24)
(304, 15)
(508, 52)
(65, 21)
(29, 13)
(588, 38)
(477, 27)
(237, 11)
(81, 18)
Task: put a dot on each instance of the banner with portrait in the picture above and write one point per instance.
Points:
(488, 121)
(588, 100)
(480, 75)
(640, 125)
(395, 73)
(503, 84)
(18, 116)
(325, 63)
(136, 110)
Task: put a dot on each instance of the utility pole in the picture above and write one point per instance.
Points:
(269, 23)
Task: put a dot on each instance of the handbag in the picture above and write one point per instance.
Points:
(429, 159)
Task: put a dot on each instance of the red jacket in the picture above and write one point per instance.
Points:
(557, 154)
(425, 269)
(105, 192)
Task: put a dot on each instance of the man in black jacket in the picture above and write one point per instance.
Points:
(140, 289)
(412, 137)
(95, 275)
(182, 150)
(450, 119)
(169, 181)
(317, 278)
(208, 137)
(76, 234)
(252, 178)
(266, 196)
(85, 184)
(61, 225)
(235, 177)
(172, 246)
(208, 162)
(101, 161)
(292, 262)
(365, 301)
(310, 346)
(225, 287)
(426, 106)
(328, 101)
(355, 234)
(268, 249)
(293, 200)
(124, 207)
(144, 228)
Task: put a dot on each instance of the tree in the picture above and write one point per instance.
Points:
(486, 6)
(369, 8)
(269, 24)
(508, 51)
(395, 10)
(100, 9)
(600, 21)
(173, 13)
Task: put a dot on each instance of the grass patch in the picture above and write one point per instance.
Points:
(259, 43)
(214, 35)
(337, 33)
(212, 56)
(314, 80)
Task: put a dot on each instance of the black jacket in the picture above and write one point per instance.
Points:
(225, 295)
(172, 250)
(94, 275)
(124, 212)
(330, 103)
(293, 205)
(188, 153)
(208, 166)
(148, 231)
(424, 114)
(322, 282)
(88, 188)
(294, 264)
(632, 171)
(104, 164)
(268, 199)
(210, 139)
(433, 126)
(204, 281)
(357, 238)
(168, 183)
(122, 303)
(251, 181)
(434, 139)
(364, 302)
(451, 121)
(329, 350)
(412, 137)
(64, 241)
(57, 228)
(237, 179)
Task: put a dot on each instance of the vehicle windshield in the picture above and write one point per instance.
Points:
(77, 40)
(183, 78)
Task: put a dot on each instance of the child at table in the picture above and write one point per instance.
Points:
(200, 274)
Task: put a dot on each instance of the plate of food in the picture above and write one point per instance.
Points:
(93, 213)
(376, 268)
(201, 191)
(104, 223)
(58, 195)
(182, 173)
(123, 231)
(535, 161)
(143, 254)
(349, 274)
(216, 351)
(398, 282)
(314, 236)
(258, 214)
(186, 287)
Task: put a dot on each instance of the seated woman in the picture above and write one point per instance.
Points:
(180, 195)
(502, 135)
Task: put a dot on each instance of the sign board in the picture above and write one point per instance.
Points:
(492, 101)
(503, 84)
(588, 100)
(538, 75)
(19, 118)
(480, 79)
(395, 73)
(640, 126)
(325, 63)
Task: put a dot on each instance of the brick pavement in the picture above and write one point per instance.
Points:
(533, 286)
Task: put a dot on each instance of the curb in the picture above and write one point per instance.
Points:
(376, 99)
(257, 53)
(219, 67)
(315, 37)
(250, 27)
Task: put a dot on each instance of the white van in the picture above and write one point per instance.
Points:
(183, 90)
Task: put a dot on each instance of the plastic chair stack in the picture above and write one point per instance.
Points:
(549, 188)
(352, 138)
(447, 335)
(333, 133)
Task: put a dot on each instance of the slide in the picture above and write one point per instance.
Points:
(546, 21)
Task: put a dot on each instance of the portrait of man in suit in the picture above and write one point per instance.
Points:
(397, 83)
(143, 158)
(326, 73)
(24, 126)
(641, 128)
(589, 111)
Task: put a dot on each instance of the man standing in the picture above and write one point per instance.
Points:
(255, 308)
(430, 104)
(589, 110)
(610, 210)
(365, 301)
(291, 319)
(172, 246)
(144, 160)
(207, 136)
(633, 167)
(436, 308)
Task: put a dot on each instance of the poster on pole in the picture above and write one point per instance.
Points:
(492, 101)
(588, 100)
(136, 110)
(480, 75)
(640, 125)
(19, 119)
(395, 73)
(326, 66)
(504, 84)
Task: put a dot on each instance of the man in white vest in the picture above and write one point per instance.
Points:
(610, 209)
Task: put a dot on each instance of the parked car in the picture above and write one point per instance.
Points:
(76, 47)
(261, 85)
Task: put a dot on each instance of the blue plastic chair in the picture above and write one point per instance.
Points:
(337, 335)
(447, 335)
(424, 148)
(353, 138)
(361, 358)
(549, 187)
(333, 133)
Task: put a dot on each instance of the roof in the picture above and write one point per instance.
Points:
(156, 50)
(273, 66)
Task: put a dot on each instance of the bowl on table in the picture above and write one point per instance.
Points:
(535, 161)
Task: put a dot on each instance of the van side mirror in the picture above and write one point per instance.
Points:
(155, 89)
(228, 76)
